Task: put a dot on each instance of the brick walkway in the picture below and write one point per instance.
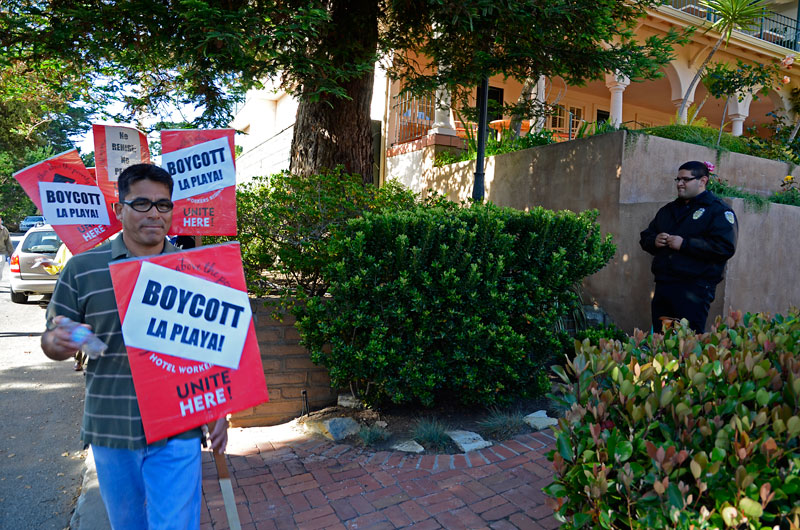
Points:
(282, 479)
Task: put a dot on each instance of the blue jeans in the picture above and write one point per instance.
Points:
(151, 488)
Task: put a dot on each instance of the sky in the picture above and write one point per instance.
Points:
(85, 143)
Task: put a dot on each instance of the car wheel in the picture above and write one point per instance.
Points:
(19, 298)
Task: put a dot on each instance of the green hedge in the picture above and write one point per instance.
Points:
(438, 301)
(286, 221)
(683, 431)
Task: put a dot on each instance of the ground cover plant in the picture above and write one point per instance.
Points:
(432, 434)
(503, 424)
(449, 301)
(682, 430)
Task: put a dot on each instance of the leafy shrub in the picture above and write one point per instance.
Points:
(509, 144)
(505, 144)
(723, 189)
(774, 150)
(285, 222)
(449, 301)
(444, 158)
(259, 252)
(683, 430)
(788, 194)
(603, 331)
(706, 136)
(791, 196)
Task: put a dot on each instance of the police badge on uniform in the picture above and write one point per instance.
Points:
(696, 215)
(729, 216)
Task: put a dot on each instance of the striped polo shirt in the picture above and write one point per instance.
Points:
(84, 293)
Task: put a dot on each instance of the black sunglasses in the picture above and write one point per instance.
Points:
(686, 179)
(143, 205)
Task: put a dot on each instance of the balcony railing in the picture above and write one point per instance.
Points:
(414, 117)
(774, 28)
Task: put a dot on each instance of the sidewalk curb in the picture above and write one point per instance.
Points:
(90, 512)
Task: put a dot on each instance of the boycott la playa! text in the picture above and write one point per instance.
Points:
(195, 305)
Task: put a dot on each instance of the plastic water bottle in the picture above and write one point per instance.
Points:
(92, 346)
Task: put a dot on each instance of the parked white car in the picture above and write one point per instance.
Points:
(40, 242)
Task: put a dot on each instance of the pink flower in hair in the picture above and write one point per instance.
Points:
(711, 167)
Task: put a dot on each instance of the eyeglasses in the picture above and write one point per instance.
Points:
(685, 180)
(144, 205)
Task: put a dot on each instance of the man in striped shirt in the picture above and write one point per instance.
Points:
(143, 486)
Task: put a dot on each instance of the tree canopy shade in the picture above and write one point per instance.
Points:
(40, 108)
(209, 52)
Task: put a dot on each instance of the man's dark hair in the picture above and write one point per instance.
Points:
(698, 169)
(135, 173)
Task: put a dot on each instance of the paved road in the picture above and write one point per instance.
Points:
(41, 402)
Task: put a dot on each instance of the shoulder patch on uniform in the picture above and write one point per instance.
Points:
(730, 217)
(696, 215)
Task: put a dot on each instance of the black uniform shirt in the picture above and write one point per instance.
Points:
(709, 230)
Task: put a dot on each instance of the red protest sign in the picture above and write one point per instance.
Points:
(202, 165)
(115, 148)
(184, 304)
(70, 200)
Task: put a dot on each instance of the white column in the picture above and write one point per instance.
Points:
(616, 85)
(442, 117)
(737, 123)
(685, 115)
(738, 111)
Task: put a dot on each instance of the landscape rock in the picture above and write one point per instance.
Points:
(336, 429)
(539, 420)
(381, 424)
(409, 446)
(348, 401)
(468, 441)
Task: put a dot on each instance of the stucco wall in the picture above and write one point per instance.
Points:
(627, 178)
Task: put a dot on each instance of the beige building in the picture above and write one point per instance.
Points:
(408, 124)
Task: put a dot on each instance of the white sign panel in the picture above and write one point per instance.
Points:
(189, 317)
(123, 149)
(201, 168)
(73, 204)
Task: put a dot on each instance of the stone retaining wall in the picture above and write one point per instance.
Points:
(288, 370)
(627, 178)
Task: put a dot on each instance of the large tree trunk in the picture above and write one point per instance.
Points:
(337, 131)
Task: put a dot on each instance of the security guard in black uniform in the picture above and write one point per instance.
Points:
(691, 239)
